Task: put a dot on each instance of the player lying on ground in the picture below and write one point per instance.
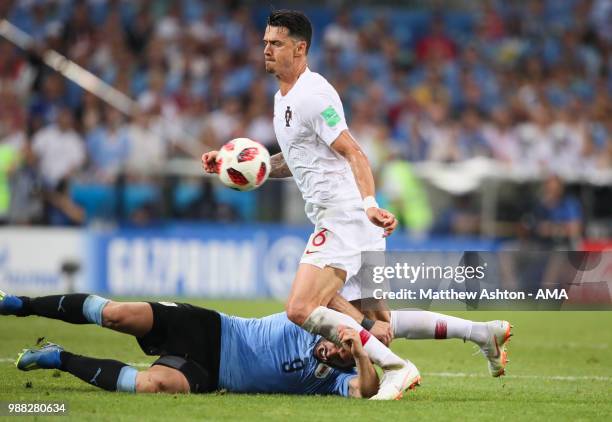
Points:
(201, 350)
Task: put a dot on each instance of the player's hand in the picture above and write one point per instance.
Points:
(209, 162)
(351, 341)
(382, 218)
(382, 331)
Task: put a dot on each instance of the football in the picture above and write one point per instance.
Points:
(243, 164)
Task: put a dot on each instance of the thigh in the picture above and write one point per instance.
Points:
(135, 318)
(316, 286)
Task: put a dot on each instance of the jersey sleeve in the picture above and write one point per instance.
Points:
(339, 385)
(324, 114)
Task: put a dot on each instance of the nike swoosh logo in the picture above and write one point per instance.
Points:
(309, 252)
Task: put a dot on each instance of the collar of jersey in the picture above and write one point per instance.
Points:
(294, 85)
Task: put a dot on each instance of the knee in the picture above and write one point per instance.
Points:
(147, 382)
(152, 381)
(298, 312)
(113, 315)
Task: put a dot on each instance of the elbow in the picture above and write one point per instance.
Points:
(353, 154)
(366, 388)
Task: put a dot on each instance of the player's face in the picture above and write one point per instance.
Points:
(279, 49)
(328, 353)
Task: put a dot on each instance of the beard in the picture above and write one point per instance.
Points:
(269, 66)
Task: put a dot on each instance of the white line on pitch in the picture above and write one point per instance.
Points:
(447, 374)
(538, 377)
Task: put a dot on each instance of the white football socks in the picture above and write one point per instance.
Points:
(325, 322)
(419, 324)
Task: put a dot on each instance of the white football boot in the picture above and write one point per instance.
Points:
(396, 381)
(495, 347)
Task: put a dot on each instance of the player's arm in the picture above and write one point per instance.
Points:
(346, 146)
(365, 384)
(279, 167)
(209, 162)
(379, 329)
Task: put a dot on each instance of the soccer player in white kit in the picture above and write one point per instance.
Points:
(336, 182)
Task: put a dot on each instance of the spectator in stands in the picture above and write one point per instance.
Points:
(222, 124)
(59, 149)
(91, 113)
(567, 134)
(597, 152)
(108, 147)
(435, 133)
(341, 34)
(491, 22)
(601, 16)
(522, 59)
(46, 105)
(26, 205)
(373, 136)
(259, 124)
(148, 146)
(470, 140)
(535, 142)
(16, 76)
(191, 142)
(405, 195)
(461, 217)
(557, 216)
(436, 45)
(11, 145)
(432, 88)
(139, 30)
(60, 208)
(500, 135)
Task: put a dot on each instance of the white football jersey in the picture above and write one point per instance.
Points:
(307, 121)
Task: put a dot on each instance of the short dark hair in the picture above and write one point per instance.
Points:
(296, 22)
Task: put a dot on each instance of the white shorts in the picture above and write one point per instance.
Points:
(339, 238)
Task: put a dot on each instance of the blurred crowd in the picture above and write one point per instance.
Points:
(527, 83)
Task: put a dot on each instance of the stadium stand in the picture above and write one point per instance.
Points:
(525, 86)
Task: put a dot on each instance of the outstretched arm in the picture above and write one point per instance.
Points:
(279, 167)
(366, 383)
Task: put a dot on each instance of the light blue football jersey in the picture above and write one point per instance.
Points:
(273, 355)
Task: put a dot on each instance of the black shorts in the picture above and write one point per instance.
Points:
(187, 338)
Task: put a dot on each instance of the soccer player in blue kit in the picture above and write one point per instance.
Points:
(200, 350)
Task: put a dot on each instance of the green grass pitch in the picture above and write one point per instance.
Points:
(560, 368)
